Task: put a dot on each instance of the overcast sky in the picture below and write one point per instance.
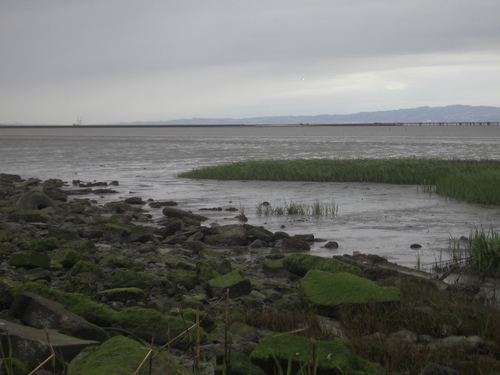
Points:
(122, 60)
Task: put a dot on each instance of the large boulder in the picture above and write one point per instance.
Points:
(228, 235)
(34, 200)
(39, 312)
(122, 356)
(29, 259)
(234, 281)
(299, 264)
(31, 344)
(180, 214)
(327, 291)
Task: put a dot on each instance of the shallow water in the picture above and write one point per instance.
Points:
(372, 218)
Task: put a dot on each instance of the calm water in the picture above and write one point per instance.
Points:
(372, 218)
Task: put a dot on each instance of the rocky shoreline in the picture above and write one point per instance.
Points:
(98, 279)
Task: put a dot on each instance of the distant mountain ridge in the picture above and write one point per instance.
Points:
(451, 113)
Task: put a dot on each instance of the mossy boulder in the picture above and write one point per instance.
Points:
(145, 323)
(43, 245)
(275, 268)
(123, 294)
(69, 257)
(86, 266)
(240, 364)
(121, 356)
(29, 259)
(29, 216)
(300, 264)
(326, 291)
(7, 289)
(289, 350)
(205, 272)
(187, 279)
(116, 233)
(234, 281)
(3, 236)
(228, 235)
(124, 278)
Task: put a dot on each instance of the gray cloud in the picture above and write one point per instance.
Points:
(125, 60)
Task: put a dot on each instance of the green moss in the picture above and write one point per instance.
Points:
(205, 272)
(290, 350)
(187, 279)
(327, 289)
(7, 290)
(86, 266)
(124, 278)
(117, 228)
(123, 294)
(69, 257)
(234, 281)
(145, 323)
(29, 259)
(121, 356)
(43, 245)
(3, 236)
(30, 216)
(299, 264)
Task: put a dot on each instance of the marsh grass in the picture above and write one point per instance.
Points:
(317, 208)
(426, 312)
(479, 255)
(468, 180)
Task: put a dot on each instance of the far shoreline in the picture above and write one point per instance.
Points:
(368, 124)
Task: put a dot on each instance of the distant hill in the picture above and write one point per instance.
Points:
(451, 113)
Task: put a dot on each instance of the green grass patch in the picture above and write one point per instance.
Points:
(472, 181)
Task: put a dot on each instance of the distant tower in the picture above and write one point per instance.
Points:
(78, 121)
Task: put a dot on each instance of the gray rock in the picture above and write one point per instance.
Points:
(30, 344)
(34, 200)
(42, 313)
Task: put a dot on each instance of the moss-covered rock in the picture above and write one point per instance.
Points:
(332, 357)
(29, 259)
(145, 323)
(44, 244)
(234, 281)
(29, 216)
(124, 278)
(3, 236)
(116, 233)
(121, 356)
(123, 294)
(205, 272)
(239, 364)
(160, 283)
(326, 291)
(187, 279)
(7, 289)
(299, 264)
(69, 257)
(275, 268)
(86, 266)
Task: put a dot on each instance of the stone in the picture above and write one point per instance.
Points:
(228, 235)
(291, 245)
(300, 264)
(32, 344)
(234, 281)
(331, 245)
(326, 291)
(121, 355)
(29, 259)
(177, 213)
(42, 313)
(34, 200)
